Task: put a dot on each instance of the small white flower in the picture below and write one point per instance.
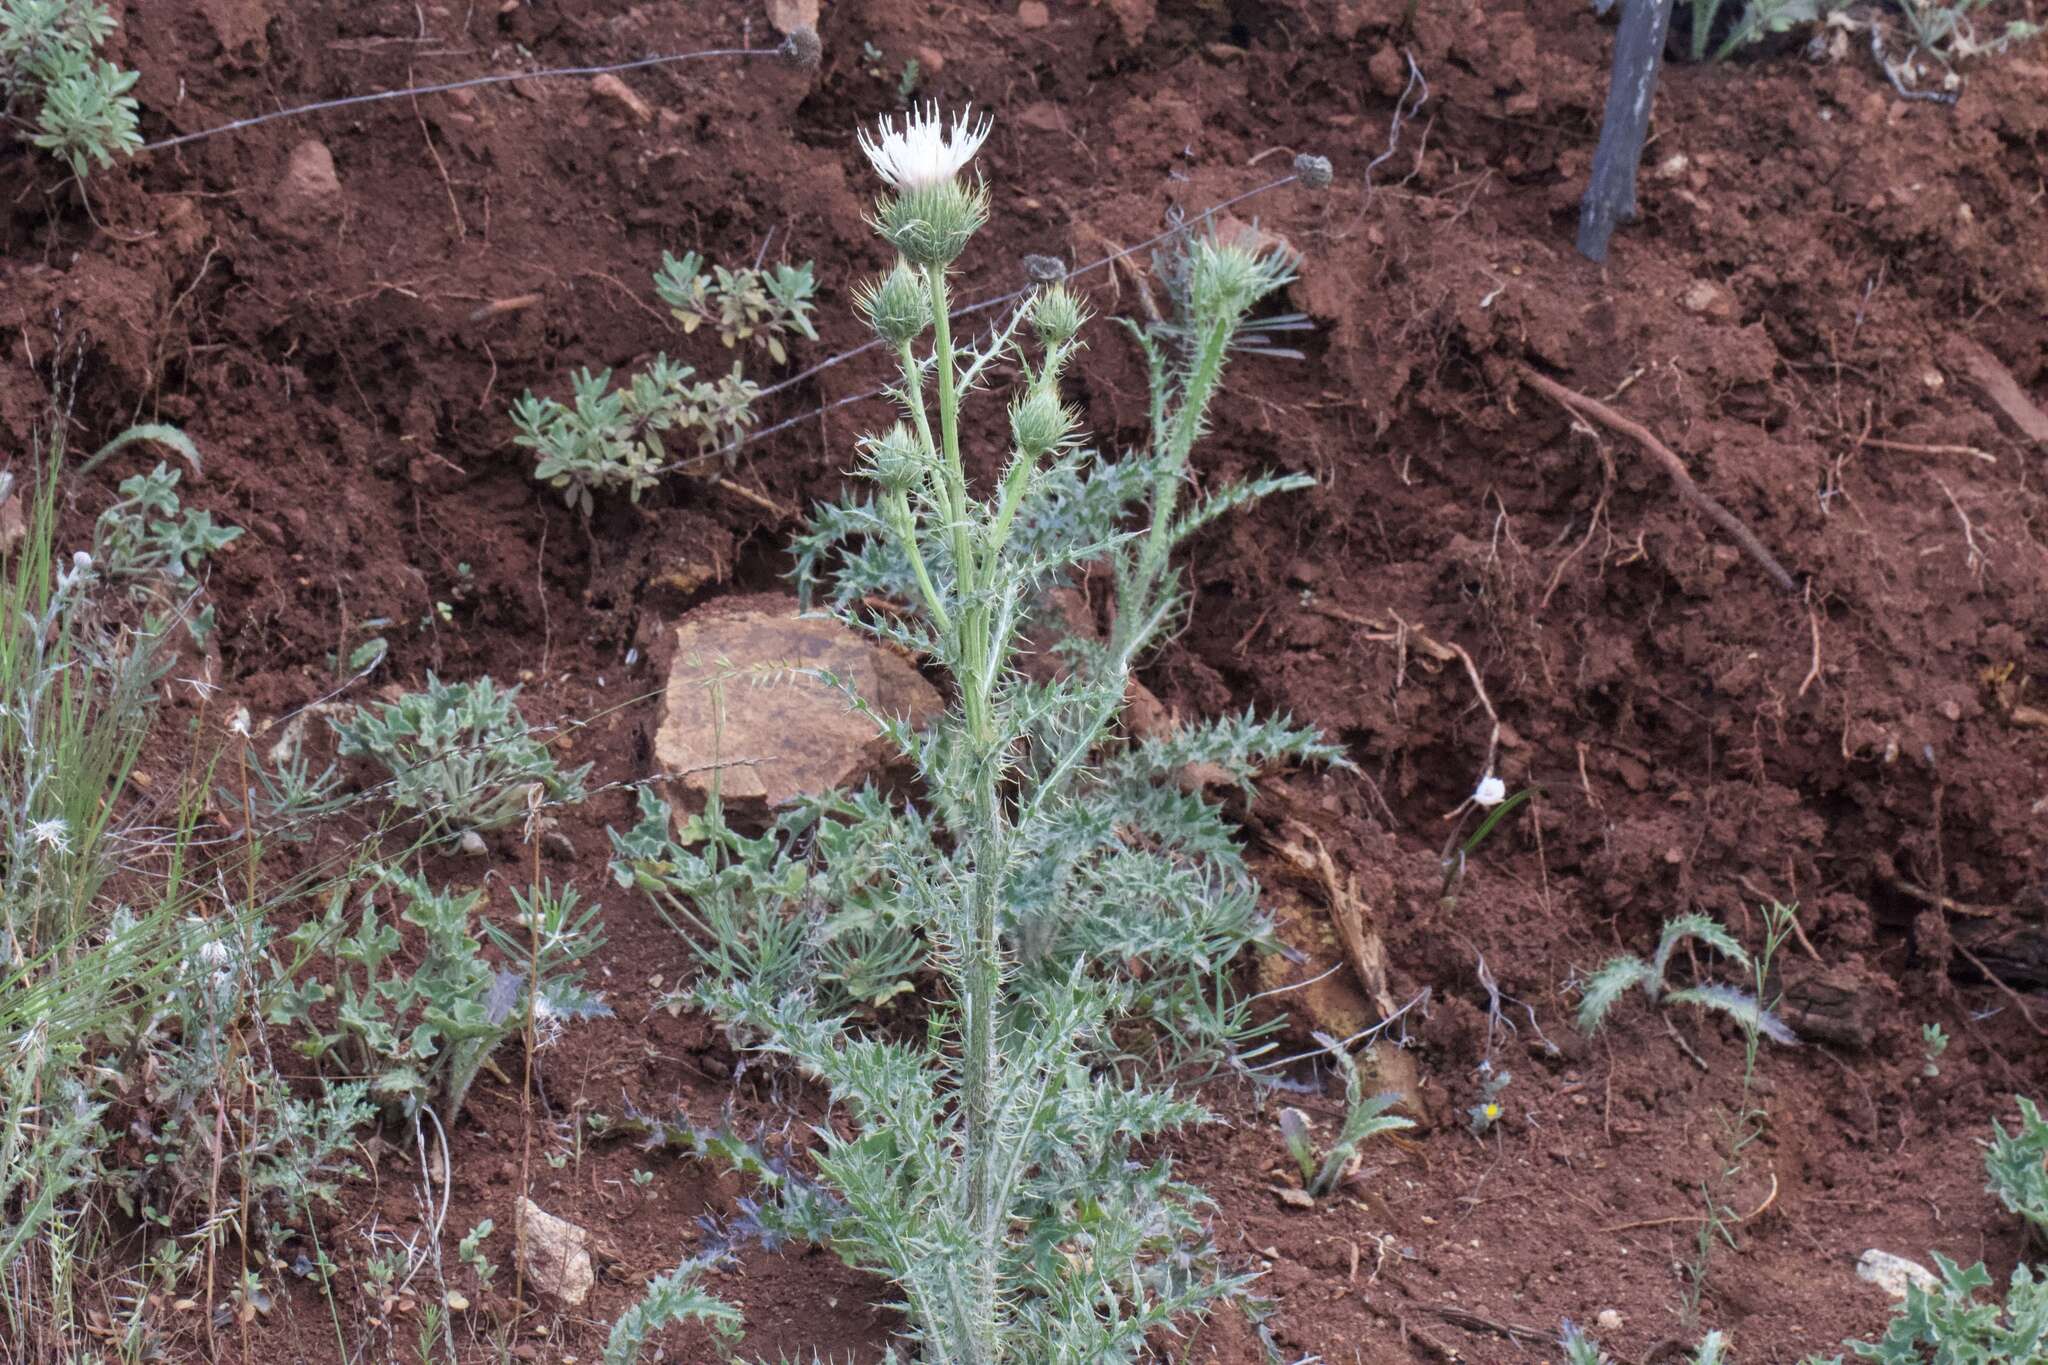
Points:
(922, 153)
(52, 833)
(1491, 792)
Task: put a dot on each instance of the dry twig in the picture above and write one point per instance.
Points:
(1577, 402)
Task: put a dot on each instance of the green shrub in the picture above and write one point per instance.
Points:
(460, 754)
(422, 1032)
(53, 82)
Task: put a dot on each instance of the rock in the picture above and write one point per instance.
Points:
(1708, 299)
(13, 523)
(1893, 1274)
(790, 15)
(557, 1255)
(1607, 1320)
(930, 60)
(1033, 14)
(623, 97)
(309, 191)
(782, 734)
(472, 844)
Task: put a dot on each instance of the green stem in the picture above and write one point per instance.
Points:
(1180, 440)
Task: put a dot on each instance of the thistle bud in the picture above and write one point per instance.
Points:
(897, 306)
(1226, 278)
(930, 225)
(803, 49)
(1057, 316)
(1041, 424)
(893, 459)
(1314, 171)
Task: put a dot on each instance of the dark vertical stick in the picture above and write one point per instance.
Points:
(1611, 192)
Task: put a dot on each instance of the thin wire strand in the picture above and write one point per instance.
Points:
(498, 79)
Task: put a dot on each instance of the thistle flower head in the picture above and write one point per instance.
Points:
(894, 459)
(923, 153)
(897, 306)
(1056, 315)
(1041, 424)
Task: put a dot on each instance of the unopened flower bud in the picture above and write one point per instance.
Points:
(894, 459)
(1314, 171)
(1041, 424)
(803, 49)
(897, 306)
(1056, 316)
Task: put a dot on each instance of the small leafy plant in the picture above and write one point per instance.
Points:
(460, 754)
(55, 86)
(1365, 1118)
(1612, 981)
(609, 439)
(1933, 1044)
(762, 306)
(422, 1033)
(1950, 1325)
(2017, 1163)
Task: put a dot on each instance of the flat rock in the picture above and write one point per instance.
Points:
(1893, 1274)
(737, 707)
(557, 1255)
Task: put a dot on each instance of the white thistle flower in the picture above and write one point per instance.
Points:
(52, 833)
(922, 153)
(1491, 791)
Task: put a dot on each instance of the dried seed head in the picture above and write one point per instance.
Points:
(1044, 269)
(803, 49)
(896, 306)
(1314, 171)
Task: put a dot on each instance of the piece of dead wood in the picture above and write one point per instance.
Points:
(1678, 1218)
(1573, 401)
(1363, 947)
(1997, 384)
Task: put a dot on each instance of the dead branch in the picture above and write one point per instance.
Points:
(1577, 402)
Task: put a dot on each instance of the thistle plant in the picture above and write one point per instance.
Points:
(460, 754)
(421, 1033)
(1950, 1325)
(1613, 980)
(55, 87)
(2017, 1164)
(1055, 891)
